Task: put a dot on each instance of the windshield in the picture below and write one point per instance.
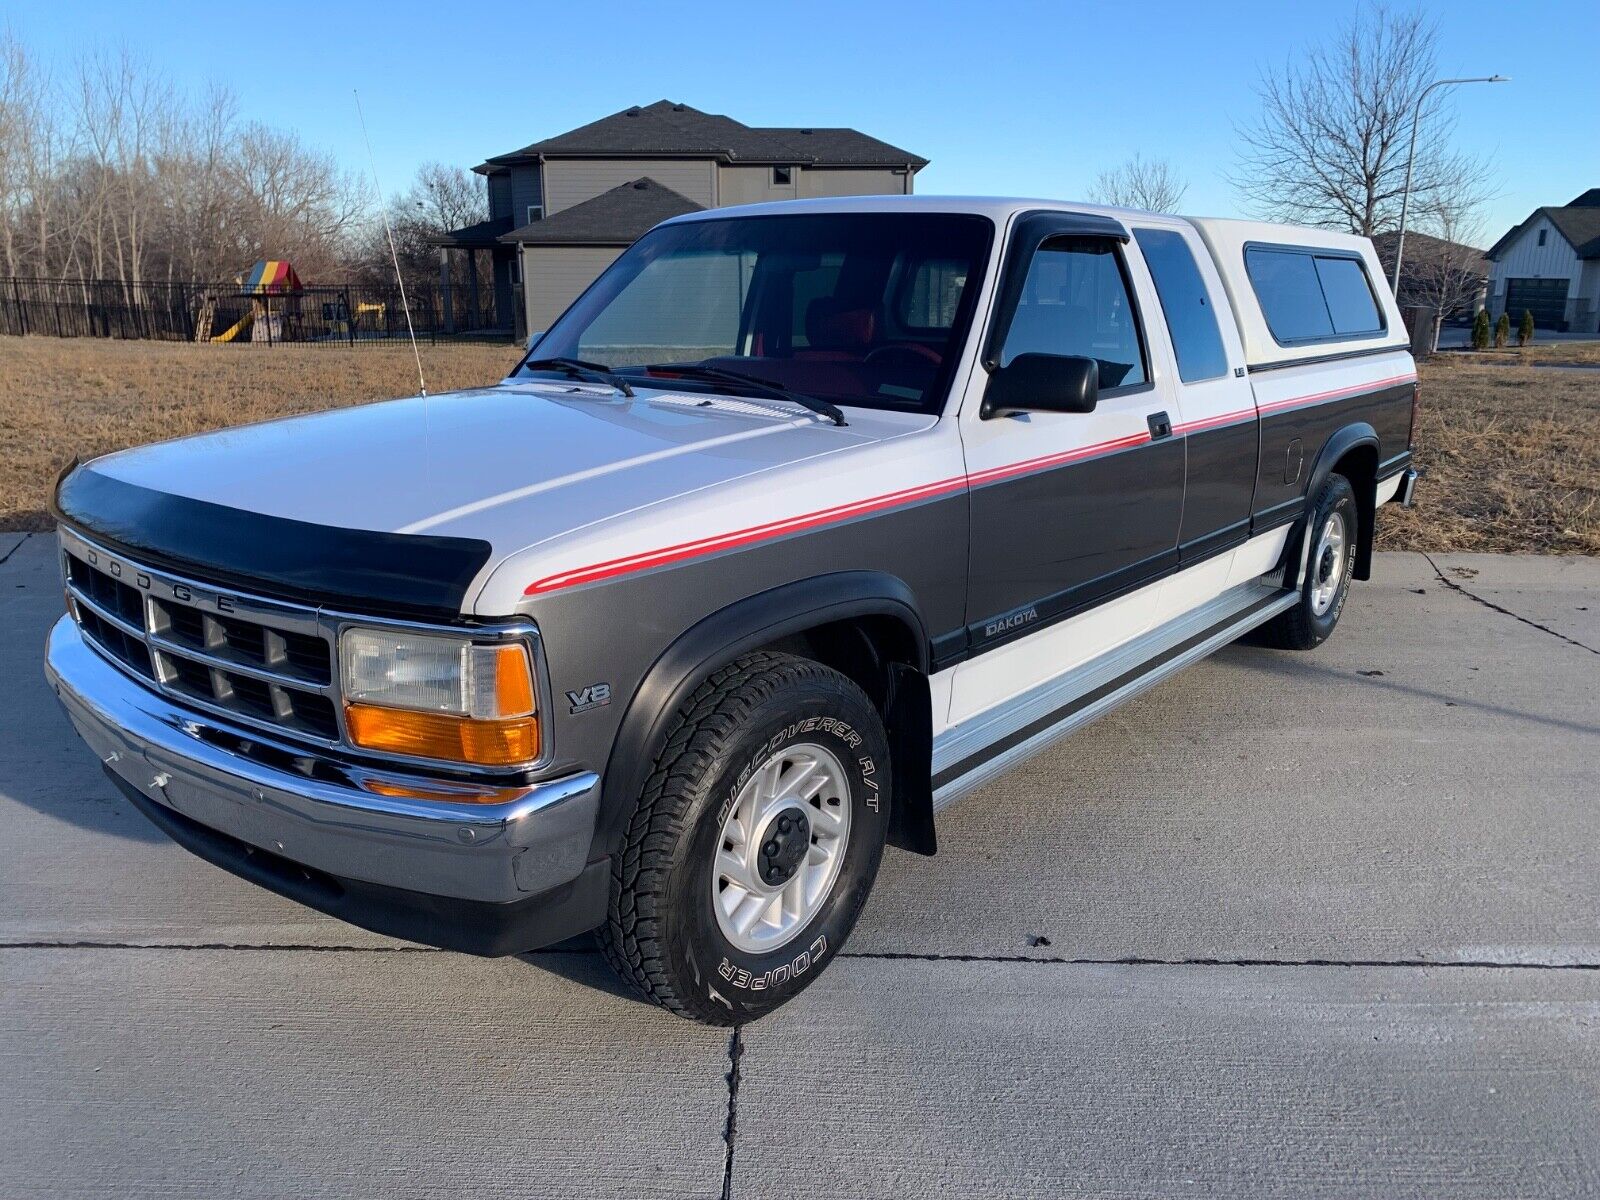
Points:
(867, 309)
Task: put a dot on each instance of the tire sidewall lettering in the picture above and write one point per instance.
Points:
(758, 979)
(740, 977)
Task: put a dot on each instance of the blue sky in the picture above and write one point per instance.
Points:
(1028, 99)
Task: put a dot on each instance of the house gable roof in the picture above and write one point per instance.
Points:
(667, 129)
(1426, 246)
(478, 236)
(1578, 222)
(615, 218)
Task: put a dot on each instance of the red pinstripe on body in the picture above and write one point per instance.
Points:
(1244, 414)
(1337, 393)
(700, 547)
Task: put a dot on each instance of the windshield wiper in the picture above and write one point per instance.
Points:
(577, 368)
(766, 387)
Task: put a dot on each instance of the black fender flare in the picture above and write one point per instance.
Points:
(722, 636)
(1340, 443)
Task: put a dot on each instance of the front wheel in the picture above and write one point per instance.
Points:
(1334, 523)
(755, 843)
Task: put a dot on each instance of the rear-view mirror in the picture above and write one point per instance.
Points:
(1043, 383)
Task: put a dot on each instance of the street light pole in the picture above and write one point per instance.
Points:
(1411, 156)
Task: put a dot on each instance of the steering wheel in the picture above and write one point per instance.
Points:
(914, 353)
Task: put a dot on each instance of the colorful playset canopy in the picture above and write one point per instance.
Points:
(270, 277)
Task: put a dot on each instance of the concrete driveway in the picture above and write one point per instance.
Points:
(1311, 925)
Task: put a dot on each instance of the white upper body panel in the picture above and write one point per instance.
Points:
(556, 475)
(1228, 239)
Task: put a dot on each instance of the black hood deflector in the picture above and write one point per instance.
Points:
(363, 570)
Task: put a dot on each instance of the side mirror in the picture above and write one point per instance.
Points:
(1043, 383)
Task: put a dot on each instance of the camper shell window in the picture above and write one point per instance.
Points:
(1310, 295)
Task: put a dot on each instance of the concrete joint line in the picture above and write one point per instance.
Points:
(1453, 964)
(1454, 586)
(736, 1045)
(730, 1130)
(14, 549)
(295, 947)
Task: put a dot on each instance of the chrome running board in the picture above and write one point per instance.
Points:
(967, 756)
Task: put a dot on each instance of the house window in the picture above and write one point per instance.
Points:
(1542, 232)
(782, 176)
(535, 213)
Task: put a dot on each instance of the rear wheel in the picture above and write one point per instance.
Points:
(1334, 523)
(755, 843)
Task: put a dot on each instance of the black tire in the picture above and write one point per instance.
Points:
(1303, 627)
(663, 934)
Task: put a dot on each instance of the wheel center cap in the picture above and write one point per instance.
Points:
(1325, 566)
(783, 847)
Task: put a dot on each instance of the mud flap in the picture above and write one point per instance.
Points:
(910, 720)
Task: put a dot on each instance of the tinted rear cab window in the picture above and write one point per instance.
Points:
(1188, 307)
(1310, 297)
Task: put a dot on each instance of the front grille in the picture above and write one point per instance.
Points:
(260, 662)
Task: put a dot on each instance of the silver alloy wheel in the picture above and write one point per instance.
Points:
(765, 887)
(1328, 564)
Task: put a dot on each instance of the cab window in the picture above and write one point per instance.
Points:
(1076, 301)
(1186, 304)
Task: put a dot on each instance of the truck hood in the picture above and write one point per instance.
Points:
(514, 465)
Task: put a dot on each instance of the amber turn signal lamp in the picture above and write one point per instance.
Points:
(484, 743)
(440, 794)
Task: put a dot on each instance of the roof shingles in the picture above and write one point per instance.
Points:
(668, 129)
(615, 218)
(1578, 222)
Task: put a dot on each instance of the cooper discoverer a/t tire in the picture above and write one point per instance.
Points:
(1335, 524)
(755, 841)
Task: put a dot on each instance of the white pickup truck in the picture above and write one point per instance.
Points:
(804, 520)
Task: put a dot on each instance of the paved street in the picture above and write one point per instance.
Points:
(1310, 925)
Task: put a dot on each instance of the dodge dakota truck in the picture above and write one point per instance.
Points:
(804, 520)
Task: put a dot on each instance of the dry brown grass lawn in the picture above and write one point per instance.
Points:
(1512, 452)
(1511, 455)
(66, 398)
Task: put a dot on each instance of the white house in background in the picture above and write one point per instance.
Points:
(1550, 266)
(561, 209)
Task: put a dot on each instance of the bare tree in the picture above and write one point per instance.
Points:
(293, 197)
(1151, 185)
(115, 174)
(440, 199)
(1445, 272)
(1329, 148)
(32, 149)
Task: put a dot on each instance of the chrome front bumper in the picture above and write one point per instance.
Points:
(535, 839)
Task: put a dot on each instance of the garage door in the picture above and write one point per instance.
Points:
(1546, 299)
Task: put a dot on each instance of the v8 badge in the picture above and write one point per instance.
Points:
(596, 695)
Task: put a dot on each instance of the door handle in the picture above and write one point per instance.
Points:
(1160, 426)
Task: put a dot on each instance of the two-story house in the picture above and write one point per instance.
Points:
(561, 209)
(1550, 266)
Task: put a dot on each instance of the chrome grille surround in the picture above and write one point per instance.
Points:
(260, 663)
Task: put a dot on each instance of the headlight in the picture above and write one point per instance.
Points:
(438, 696)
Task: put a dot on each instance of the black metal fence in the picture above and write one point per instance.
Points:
(347, 315)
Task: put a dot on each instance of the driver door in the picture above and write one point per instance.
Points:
(1072, 513)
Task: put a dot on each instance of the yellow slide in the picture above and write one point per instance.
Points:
(239, 327)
